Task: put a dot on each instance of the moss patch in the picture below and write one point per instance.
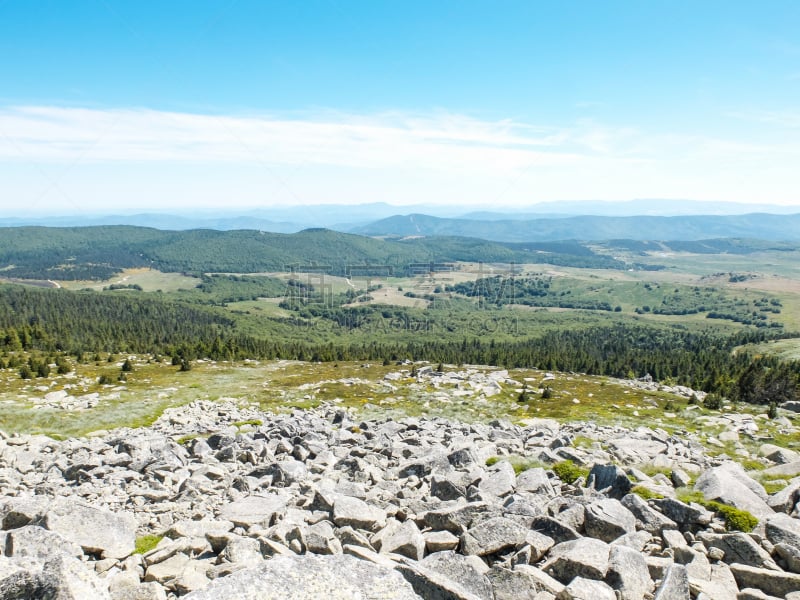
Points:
(145, 543)
(568, 472)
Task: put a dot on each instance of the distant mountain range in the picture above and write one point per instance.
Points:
(756, 225)
(379, 218)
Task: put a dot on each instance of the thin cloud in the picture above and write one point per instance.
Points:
(780, 118)
(449, 142)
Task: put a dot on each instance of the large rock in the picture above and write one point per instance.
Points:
(729, 484)
(581, 588)
(719, 585)
(17, 581)
(459, 568)
(783, 528)
(406, 540)
(535, 481)
(608, 519)
(776, 583)
(585, 557)
(494, 535)
(512, 585)
(255, 510)
(628, 573)
(647, 518)
(357, 514)
(499, 481)
(18, 512)
(610, 478)
(96, 530)
(674, 585)
(67, 578)
(38, 544)
(339, 577)
(739, 548)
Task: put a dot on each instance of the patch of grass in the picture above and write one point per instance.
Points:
(568, 472)
(253, 422)
(582, 441)
(651, 470)
(736, 519)
(753, 465)
(688, 495)
(145, 543)
(774, 486)
(519, 463)
(645, 493)
(185, 439)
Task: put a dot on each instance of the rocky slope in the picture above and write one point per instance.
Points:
(316, 505)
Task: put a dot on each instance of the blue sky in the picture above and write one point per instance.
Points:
(196, 104)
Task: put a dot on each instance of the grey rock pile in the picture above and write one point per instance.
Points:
(315, 504)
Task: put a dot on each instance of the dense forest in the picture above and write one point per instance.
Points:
(60, 321)
(83, 253)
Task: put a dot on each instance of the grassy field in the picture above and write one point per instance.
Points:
(150, 280)
(280, 386)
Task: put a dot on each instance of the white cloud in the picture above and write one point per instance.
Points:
(146, 158)
(448, 142)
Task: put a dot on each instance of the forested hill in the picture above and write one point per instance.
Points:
(75, 253)
(757, 225)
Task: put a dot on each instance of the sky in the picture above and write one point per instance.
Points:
(192, 105)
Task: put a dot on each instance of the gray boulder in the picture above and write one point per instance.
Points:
(499, 481)
(776, 583)
(729, 484)
(18, 581)
(67, 578)
(406, 540)
(357, 514)
(786, 499)
(610, 478)
(320, 538)
(628, 573)
(494, 535)
(647, 518)
(535, 481)
(587, 589)
(739, 548)
(459, 568)
(96, 530)
(783, 528)
(674, 584)
(608, 519)
(18, 512)
(432, 585)
(584, 557)
(339, 577)
(255, 510)
(38, 544)
(681, 513)
(512, 585)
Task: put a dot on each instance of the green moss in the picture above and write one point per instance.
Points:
(568, 472)
(688, 496)
(645, 493)
(145, 543)
(185, 439)
(253, 422)
(736, 519)
(518, 463)
(772, 486)
(753, 465)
